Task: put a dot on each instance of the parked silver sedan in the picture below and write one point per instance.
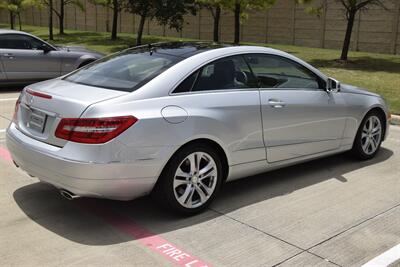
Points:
(180, 119)
(25, 58)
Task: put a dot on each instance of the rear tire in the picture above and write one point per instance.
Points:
(191, 179)
(369, 136)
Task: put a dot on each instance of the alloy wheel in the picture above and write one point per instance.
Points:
(371, 135)
(195, 180)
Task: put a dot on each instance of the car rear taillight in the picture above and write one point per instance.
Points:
(93, 130)
(38, 94)
(15, 116)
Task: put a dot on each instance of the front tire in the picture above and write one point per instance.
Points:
(191, 179)
(369, 136)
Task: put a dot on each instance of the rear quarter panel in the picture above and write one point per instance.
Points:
(231, 119)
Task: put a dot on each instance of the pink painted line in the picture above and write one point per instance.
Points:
(5, 155)
(150, 240)
(126, 225)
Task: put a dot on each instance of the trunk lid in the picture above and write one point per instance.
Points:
(38, 115)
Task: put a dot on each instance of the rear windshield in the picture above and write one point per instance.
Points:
(125, 71)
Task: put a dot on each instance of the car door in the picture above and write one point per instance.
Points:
(3, 76)
(28, 58)
(222, 100)
(300, 117)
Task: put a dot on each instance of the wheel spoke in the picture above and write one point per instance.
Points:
(376, 130)
(181, 173)
(206, 168)
(364, 135)
(373, 144)
(199, 156)
(203, 197)
(208, 175)
(180, 182)
(192, 161)
(365, 145)
(206, 188)
(185, 196)
(377, 133)
(370, 124)
(189, 200)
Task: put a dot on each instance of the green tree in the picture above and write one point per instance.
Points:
(145, 10)
(116, 6)
(215, 7)
(239, 7)
(352, 7)
(14, 7)
(49, 4)
(166, 12)
(61, 12)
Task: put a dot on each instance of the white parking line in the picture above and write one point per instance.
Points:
(3, 130)
(385, 259)
(8, 99)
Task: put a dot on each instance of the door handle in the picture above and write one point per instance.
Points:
(276, 103)
(9, 55)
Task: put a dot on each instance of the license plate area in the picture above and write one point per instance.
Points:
(36, 120)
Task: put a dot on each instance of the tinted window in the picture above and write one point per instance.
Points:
(125, 71)
(18, 41)
(278, 72)
(187, 84)
(227, 73)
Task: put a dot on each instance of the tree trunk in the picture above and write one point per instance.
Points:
(237, 23)
(19, 21)
(115, 20)
(51, 20)
(61, 16)
(216, 23)
(11, 20)
(347, 38)
(140, 30)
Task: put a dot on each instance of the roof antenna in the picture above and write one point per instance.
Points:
(150, 49)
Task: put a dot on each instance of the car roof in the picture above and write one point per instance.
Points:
(183, 49)
(186, 50)
(6, 31)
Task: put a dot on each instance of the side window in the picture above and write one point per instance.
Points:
(279, 72)
(187, 84)
(35, 43)
(227, 73)
(18, 41)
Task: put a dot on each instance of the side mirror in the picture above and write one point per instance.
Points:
(333, 85)
(45, 48)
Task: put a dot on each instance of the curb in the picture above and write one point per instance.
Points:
(395, 120)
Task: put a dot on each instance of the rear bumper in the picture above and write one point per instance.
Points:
(116, 180)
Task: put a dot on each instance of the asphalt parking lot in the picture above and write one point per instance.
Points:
(332, 211)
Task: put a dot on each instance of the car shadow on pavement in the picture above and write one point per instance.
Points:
(11, 89)
(79, 220)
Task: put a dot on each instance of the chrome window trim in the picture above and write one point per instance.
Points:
(171, 92)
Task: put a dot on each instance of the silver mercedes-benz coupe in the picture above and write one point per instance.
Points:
(180, 119)
(25, 58)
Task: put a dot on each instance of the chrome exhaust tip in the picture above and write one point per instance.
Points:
(68, 195)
